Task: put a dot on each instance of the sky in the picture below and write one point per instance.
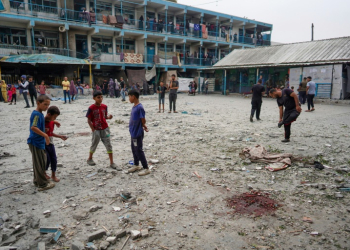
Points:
(291, 19)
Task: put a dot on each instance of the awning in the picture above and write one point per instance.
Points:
(43, 58)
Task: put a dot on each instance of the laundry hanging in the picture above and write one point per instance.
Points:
(151, 73)
(196, 27)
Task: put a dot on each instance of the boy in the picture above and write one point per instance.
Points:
(42, 88)
(136, 126)
(52, 113)
(161, 95)
(37, 141)
(97, 115)
(174, 85)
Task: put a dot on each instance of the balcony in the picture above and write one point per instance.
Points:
(54, 13)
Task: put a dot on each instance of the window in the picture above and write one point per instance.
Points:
(169, 47)
(180, 48)
(17, 4)
(129, 46)
(46, 38)
(101, 7)
(13, 36)
(102, 44)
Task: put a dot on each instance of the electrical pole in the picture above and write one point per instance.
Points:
(312, 32)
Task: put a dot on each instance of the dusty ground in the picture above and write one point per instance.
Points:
(182, 210)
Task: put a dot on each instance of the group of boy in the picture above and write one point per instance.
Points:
(41, 136)
(162, 89)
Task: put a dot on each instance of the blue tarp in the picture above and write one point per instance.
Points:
(43, 58)
(1, 6)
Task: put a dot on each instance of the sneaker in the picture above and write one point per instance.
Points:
(91, 162)
(114, 166)
(144, 172)
(251, 118)
(258, 119)
(48, 186)
(27, 107)
(134, 169)
(286, 140)
(280, 124)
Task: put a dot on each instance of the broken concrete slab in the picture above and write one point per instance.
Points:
(104, 245)
(144, 233)
(41, 246)
(112, 240)
(120, 234)
(96, 235)
(77, 245)
(9, 241)
(5, 217)
(135, 234)
(94, 208)
(46, 230)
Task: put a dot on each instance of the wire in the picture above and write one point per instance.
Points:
(208, 3)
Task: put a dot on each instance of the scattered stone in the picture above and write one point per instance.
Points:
(41, 246)
(112, 240)
(59, 165)
(339, 179)
(35, 223)
(154, 161)
(47, 213)
(5, 217)
(104, 245)
(96, 235)
(144, 233)
(9, 241)
(94, 208)
(338, 195)
(80, 215)
(77, 245)
(321, 186)
(135, 234)
(120, 234)
(19, 212)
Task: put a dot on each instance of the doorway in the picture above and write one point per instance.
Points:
(151, 51)
(81, 46)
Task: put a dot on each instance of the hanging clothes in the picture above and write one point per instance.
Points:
(196, 27)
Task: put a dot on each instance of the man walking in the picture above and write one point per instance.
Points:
(174, 85)
(289, 100)
(24, 86)
(302, 91)
(310, 92)
(206, 85)
(258, 91)
(32, 90)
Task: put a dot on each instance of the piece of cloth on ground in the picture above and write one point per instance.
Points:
(260, 154)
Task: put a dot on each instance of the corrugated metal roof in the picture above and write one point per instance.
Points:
(335, 50)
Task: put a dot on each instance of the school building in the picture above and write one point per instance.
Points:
(326, 61)
(118, 35)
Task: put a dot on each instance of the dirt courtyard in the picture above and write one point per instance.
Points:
(182, 202)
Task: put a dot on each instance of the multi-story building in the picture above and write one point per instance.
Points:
(121, 34)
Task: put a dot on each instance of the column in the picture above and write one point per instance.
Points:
(240, 81)
(219, 56)
(89, 44)
(65, 9)
(67, 41)
(145, 18)
(26, 6)
(243, 40)
(87, 3)
(217, 27)
(184, 62)
(121, 8)
(225, 78)
(114, 48)
(200, 27)
(216, 52)
(145, 51)
(113, 9)
(231, 32)
(185, 32)
(123, 45)
(166, 21)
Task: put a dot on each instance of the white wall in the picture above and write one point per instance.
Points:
(337, 81)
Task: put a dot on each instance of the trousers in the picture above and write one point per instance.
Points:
(310, 101)
(32, 96)
(289, 117)
(172, 101)
(302, 97)
(256, 106)
(4, 95)
(104, 136)
(39, 165)
(137, 151)
(25, 96)
(66, 92)
(51, 157)
(14, 98)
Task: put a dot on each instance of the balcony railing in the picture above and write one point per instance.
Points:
(129, 24)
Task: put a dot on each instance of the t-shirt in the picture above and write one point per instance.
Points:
(37, 120)
(302, 86)
(42, 89)
(162, 91)
(312, 87)
(97, 115)
(135, 124)
(173, 85)
(66, 85)
(31, 87)
(122, 84)
(13, 90)
(258, 90)
(286, 100)
(49, 127)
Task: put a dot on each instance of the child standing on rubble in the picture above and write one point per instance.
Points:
(136, 127)
(50, 120)
(97, 115)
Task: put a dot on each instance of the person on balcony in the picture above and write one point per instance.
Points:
(235, 37)
(160, 25)
(141, 23)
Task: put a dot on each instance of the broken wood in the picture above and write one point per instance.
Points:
(125, 242)
(196, 174)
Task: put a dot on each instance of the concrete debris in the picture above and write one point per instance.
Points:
(104, 245)
(95, 208)
(96, 235)
(135, 234)
(112, 240)
(41, 246)
(77, 245)
(144, 233)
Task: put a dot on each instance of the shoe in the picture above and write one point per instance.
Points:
(134, 169)
(91, 162)
(280, 124)
(48, 186)
(251, 118)
(27, 107)
(65, 103)
(258, 119)
(10, 103)
(114, 166)
(313, 109)
(286, 140)
(144, 172)
(307, 110)
(15, 103)
(175, 111)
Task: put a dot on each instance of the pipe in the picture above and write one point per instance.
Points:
(90, 75)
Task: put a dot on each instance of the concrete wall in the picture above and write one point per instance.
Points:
(337, 81)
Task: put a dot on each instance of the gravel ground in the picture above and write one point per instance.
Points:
(180, 209)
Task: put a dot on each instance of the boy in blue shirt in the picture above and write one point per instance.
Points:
(137, 125)
(37, 141)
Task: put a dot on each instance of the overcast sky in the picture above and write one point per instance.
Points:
(291, 19)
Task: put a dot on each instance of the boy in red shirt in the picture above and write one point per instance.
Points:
(97, 115)
(52, 113)
(42, 88)
(13, 95)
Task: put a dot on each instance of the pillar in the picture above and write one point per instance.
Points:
(184, 62)
(240, 81)
(165, 51)
(114, 48)
(145, 50)
(67, 41)
(200, 27)
(243, 40)
(89, 44)
(26, 6)
(225, 78)
(113, 9)
(184, 25)
(121, 8)
(123, 45)
(65, 9)
(145, 18)
(87, 3)
(217, 28)
(166, 21)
